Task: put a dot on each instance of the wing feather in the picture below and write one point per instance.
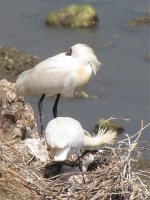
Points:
(51, 76)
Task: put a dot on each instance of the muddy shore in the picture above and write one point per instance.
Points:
(14, 61)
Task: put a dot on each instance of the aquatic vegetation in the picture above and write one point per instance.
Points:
(138, 21)
(74, 15)
(108, 125)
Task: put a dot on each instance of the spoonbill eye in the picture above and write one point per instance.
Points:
(69, 53)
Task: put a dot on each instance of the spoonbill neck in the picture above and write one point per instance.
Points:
(83, 74)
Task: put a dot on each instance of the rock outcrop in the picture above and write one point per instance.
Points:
(16, 119)
(138, 21)
(14, 61)
(75, 15)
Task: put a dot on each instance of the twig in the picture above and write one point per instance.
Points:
(137, 133)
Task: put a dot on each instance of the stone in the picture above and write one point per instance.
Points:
(74, 15)
(108, 125)
(16, 118)
(138, 21)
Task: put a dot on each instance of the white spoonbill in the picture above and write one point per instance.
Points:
(65, 137)
(57, 75)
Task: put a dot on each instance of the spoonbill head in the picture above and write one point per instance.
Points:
(59, 74)
(85, 55)
(65, 137)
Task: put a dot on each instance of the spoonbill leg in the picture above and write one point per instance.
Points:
(40, 111)
(55, 106)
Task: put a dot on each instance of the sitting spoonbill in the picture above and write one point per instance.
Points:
(65, 137)
(59, 74)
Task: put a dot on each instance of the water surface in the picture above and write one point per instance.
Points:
(122, 84)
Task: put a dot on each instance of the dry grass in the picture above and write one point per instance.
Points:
(22, 177)
(110, 177)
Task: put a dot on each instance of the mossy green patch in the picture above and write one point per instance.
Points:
(75, 15)
(107, 124)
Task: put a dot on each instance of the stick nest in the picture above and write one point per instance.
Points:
(109, 177)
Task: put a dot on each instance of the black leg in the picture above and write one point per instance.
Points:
(59, 167)
(55, 106)
(40, 111)
(83, 154)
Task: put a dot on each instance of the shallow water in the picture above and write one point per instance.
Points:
(122, 85)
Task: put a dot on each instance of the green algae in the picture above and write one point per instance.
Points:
(75, 15)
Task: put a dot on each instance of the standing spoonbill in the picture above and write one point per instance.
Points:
(65, 137)
(57, 75)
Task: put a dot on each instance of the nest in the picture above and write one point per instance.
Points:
(110, 177)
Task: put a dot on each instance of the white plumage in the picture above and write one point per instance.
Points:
(86, 161)
(65, 137)
(94, 142)
(60, 74)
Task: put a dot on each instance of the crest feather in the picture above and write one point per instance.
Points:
(86, 55)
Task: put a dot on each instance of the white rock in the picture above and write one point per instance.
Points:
(37, 148)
